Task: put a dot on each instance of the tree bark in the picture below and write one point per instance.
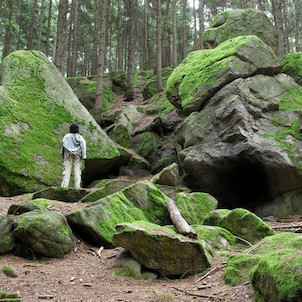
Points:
(180, 223)
(132, 17)
(31, 28)
(96, 33)
(73, 35)
(40, 27)
(61, 27)
(174, 33)
(184, 29)
(159, 81)
(8, 31)
(201, 23)
(279, 22)
(120, 39)
(297, 22)
(100, 63)
(48, 28)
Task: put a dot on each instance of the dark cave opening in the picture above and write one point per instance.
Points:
(234, 183)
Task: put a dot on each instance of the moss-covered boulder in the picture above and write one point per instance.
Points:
(278, 277)
(45, 233)
(239, 268)
(36, 109)
(7, 241)
(141, 201)
(246, 225)
(204, 72)
(85, 90)
(216, 237)
(216, 217)
(27, 206)
(163, 250)
(293, 66)
(194, 207)
(241, 22)
(62, 194)
(111, 186)
(169, 176)
(150, 87)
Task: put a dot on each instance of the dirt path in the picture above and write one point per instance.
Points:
(83, 276)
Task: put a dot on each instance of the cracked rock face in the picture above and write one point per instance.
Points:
(244, 146)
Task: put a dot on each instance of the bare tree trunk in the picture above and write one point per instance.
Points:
(132, 15)
(297, 22)
(101, 60)
(201, 23)
(61, 27)
(279, 21)
(40, 28)
(244, 4)
(180, 223)
(195, 24)
(8, 31)
(48, 28)
(284, 4)
(120, 39)
(184, 29)
(146, 59)
(73, 35)
(260, 5)
(159, 81)
(174, 34)
(96, 39)
(31, 28)
(20, 21)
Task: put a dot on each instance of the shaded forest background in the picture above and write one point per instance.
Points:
(90, 37)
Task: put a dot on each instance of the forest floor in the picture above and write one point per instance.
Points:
(82, 275)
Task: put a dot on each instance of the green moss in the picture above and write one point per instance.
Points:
(239, 267)
(292, 100)
(8, 271)
(145, 143)
(293, 66)
(201, 68)
(283, 271)
(121, 135)
(7, 239)
(161, 99)
(246, 225)
(195, 207)
(65, 230)
(29, 221)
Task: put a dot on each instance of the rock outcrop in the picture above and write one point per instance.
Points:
(37, 106)
(241, 22)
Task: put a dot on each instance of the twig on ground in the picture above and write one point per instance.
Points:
(255, 247)
(243, 240)
(211, 271)
(197, 295)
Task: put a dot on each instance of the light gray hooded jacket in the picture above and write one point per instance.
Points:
(73, 143)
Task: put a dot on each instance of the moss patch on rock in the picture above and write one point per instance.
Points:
(293, 66)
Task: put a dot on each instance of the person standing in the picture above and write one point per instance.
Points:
(72, 153)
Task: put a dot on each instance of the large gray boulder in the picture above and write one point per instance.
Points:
(46, 233)
(244, 146)
(241, 22)
(163, 250)
(37, 107)
(204, 72)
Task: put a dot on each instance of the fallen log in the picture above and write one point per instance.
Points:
(180, 223)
